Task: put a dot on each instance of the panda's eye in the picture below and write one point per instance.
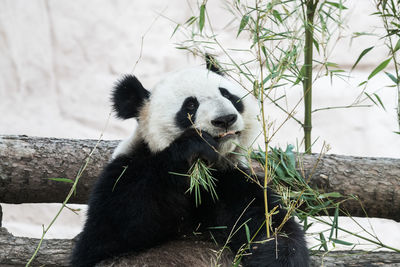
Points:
(191, 104)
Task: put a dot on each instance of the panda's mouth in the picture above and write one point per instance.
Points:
(227, 135)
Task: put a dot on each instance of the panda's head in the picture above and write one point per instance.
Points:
(194, 97)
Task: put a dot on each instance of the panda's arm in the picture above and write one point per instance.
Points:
(188, 147)
(132, 207)
(242, 202)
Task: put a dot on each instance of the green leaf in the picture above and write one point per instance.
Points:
(277, 15)
(175, 29)
(191, 20)
(379, 68)
(217, 227)
(370, 98)
(264, 50)
(64, 180)
(316, 44)
(363, 53)
(391, 76)
(300, 77)
(334, 227)
(243, 23)
(331, 194)
(380, 101)
(362, 83)
(397, 46)
(202, 17)
(337, 5)
(323, 241)
(341, 242)
(247, 233)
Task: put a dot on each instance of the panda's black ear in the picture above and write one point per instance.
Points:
(128, 97)
(212, 64)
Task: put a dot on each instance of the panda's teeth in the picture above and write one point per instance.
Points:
(221, 135)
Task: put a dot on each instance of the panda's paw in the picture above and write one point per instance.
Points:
(208, 148)
(202, 145)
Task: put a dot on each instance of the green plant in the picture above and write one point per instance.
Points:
(200, 178)
(389, 12)
(279, 33)
(275, 36)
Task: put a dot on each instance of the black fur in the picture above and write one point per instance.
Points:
(212, 65)
(128, 96)
(187, 114)
(148, 205)
(236, 101)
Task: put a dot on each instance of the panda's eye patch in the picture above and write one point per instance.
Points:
(225, 93)
(189, 107)
(236, 101)
(191, 104)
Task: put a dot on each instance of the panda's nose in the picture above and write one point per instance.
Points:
(224, 121)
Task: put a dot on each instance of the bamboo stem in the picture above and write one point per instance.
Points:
(307, 81)
(264, 124)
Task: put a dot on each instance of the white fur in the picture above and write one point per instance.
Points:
(157, 120)
(125, 146)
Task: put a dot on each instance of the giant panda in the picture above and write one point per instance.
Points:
(140, 201)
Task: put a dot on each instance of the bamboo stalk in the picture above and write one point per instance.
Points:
(308, 65)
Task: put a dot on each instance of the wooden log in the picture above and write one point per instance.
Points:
(26, 163)
(375, 181)
(16, 251)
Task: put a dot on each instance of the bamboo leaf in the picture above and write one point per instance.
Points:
(334, 227)
(379, 68)
(316, 44)
(247, 233)
(175, 29)
(277, 15)
(191, 20)
(362, 83)
(337, 5)
(380, 101)
(331, 194)
(202, 17)
(64, 180)
(396, 47)
(363, 53)
(323, 241)
(243, 23)
(300, 77)
(391, 76)
(370, 98)
(341, 242)
(336, 219)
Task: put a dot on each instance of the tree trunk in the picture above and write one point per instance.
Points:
(26, 163)
(16, 251)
